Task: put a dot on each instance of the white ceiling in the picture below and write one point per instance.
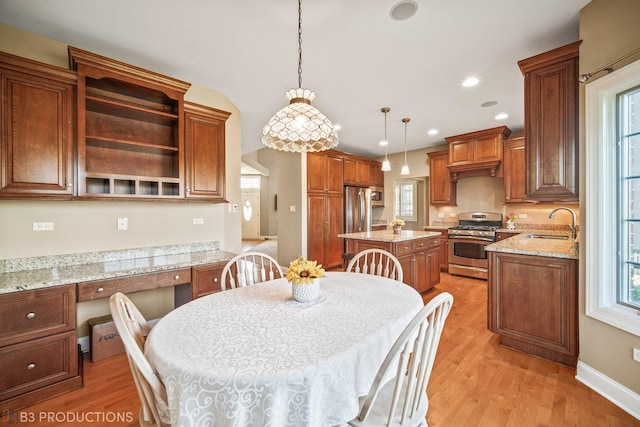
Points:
(355, 56)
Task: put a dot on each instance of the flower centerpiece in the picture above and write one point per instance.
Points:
(303, 276)
(397, 225)
(511, 219)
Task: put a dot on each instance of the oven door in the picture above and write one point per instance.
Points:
(467, 256)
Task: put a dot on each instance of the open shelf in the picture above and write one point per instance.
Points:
(101, 185)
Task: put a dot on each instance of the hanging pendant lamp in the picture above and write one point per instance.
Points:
(386, 166)
(299, 127)
(405, 167)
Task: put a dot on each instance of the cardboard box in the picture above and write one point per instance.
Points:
(105, 340)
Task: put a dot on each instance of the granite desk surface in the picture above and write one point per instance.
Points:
(41, 272)
(523, 244)
(389, 235)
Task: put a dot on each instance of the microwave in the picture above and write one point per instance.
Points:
(377, 196)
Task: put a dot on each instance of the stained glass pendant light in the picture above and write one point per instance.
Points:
(386, 166)
(405, 167)
(299, 127)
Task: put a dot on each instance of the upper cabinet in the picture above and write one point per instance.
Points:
(357, 171)
(477, 153)
(204, 152)
(325, 172)
(36, 149)
(514, 165)
(377, 175)
(442, 191)
(551, 125)
(130, 130)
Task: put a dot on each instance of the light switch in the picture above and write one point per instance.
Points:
(292, 208)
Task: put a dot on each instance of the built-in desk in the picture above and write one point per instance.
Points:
(39, 297)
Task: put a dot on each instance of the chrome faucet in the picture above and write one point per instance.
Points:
(572, 226)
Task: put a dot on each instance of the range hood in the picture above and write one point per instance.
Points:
(477, 153)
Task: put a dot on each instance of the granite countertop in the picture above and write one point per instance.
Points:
(389, 235)
(524, 245)
(41, 272)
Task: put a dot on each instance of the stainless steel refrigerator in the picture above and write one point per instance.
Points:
(357, 209)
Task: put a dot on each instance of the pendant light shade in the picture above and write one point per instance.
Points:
(386, 165)
(299, 127)
(405, 167)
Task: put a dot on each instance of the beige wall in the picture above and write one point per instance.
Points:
(81, 226)
(609, 30)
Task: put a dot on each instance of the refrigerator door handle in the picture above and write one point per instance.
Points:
(361, 210)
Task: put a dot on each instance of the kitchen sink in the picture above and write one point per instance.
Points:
(547, 236)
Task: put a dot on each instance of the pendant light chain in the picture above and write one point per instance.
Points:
(299, 43)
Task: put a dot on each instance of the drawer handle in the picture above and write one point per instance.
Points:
(100, 290)
(31, 366)
(31, 315)
(176, 277)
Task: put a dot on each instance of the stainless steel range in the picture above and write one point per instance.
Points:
(467, 240)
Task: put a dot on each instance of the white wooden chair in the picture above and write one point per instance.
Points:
(378, 262)
(403, 401)
(250, 268)
(133, 330)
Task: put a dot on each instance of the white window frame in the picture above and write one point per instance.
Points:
(414, 184)
(601, 252)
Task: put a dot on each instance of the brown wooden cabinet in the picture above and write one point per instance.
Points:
(37, 141)
(357, 171)
(130, 130)
(377, 175)
(551, 124)
(419, 258)
(38, 351)
(477, 153)
(443, 248)
(205, 280)
(514, 176)
(533, 304)
(204, 152)
(325, 208)
(442, 191)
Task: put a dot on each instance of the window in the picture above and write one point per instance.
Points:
(613, 199)
(406, 200)
(250, 182)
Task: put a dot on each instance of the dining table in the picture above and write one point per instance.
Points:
(253, 356)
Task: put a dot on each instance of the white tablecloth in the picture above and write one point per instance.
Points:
(255, 357)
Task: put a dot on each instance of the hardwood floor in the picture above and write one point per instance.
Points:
(475, 382)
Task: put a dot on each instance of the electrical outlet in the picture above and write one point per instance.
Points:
(636, 354)
(198, 221)
(452, 215)
(440, 215)
(292, 208)
(522, 216)
(123, 224)
(42, 226)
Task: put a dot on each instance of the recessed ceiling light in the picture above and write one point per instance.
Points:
(489, 104)
(433, 131)
(404, 9)
(336, 127)
(384, 143)
(501, 116)
(471, 81)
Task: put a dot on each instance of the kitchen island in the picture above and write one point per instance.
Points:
(533, 294)
(417, 251)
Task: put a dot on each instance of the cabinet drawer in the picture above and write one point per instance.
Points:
(434, 242)
(32, 314)
(105, 288)
(403, 248)
(38, 363)
(206, 280)
(420, 244)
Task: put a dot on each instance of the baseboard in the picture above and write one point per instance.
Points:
(616, 393)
